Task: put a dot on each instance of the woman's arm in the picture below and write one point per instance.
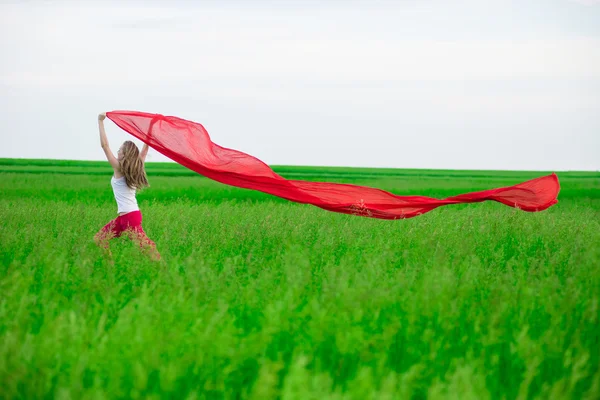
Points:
(144, 152)
(104, 143)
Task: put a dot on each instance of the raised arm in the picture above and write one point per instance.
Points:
(104, 143)
(144, 152)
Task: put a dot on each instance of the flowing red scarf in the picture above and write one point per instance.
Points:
(189, 144)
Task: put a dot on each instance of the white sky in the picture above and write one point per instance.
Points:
(511, 84)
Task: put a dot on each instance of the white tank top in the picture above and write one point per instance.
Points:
(124, 195)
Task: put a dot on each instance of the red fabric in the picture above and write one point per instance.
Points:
(189, 144)
(127, 223)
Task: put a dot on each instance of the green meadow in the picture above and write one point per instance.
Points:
(260, 298)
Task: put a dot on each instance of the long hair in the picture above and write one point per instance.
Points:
(132, 166)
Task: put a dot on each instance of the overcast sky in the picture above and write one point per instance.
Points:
(512, 84)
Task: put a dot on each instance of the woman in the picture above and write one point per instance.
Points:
(129, 176)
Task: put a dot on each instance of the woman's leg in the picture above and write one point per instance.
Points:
(109, 231)
(146, 244)
(133, 224)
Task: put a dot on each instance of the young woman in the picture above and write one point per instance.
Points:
(129, 176)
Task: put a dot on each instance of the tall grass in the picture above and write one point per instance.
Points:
(261, 298)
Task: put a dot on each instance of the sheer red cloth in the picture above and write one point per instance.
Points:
(189, 144)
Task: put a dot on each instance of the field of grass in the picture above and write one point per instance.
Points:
(260, 298)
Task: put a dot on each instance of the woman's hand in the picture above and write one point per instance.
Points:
(101, 116)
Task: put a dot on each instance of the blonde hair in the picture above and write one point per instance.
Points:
(132, 166)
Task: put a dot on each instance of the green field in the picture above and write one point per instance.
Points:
(260, 298)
